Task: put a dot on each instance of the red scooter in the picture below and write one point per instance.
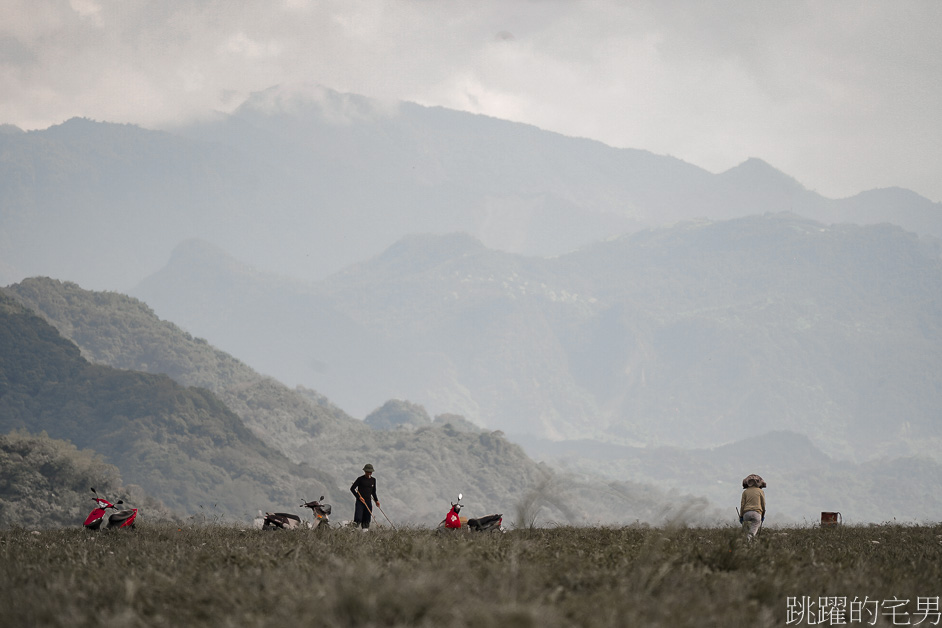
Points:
(453, 521)
(119, 519)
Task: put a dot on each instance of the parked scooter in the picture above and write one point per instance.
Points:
(321, 512)
(280, 521)
(119, 519)
(454, 521)
(288, 521)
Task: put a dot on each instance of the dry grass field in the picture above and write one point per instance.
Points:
(220, 575)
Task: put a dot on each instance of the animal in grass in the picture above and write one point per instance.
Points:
(752, 505)
(364, 490)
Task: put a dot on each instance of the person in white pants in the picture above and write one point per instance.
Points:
(752, 505)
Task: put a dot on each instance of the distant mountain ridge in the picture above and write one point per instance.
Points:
(305, 184)
(803, 481)
(696, 335)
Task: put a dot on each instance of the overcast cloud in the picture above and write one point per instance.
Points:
(844, 95)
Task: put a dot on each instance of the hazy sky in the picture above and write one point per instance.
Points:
(842, 95)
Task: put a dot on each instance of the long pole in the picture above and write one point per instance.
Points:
(365, 503)
(368, 509)
(384, 514)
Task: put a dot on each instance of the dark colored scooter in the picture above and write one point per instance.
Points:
(321, 513)
(288, 521)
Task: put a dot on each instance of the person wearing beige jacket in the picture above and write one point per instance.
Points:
(752, 505)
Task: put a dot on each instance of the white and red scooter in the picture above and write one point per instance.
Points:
(119, 519)
(453, 521)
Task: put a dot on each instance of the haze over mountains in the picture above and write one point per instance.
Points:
(591, 302)
(305, 184)
(697, 335)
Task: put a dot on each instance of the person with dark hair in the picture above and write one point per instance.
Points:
(752, 505)
(364, 490)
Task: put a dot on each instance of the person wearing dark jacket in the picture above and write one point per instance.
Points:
(364, 490)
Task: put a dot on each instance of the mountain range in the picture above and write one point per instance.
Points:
(603, 307)
(305, 183)
(696, 335)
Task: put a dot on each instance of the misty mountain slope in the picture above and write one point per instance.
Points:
(304, 185)
(756, 184)
(828, 331)
(420, 469)
(181, 445)
(122, 332)
(701, 334)
(803, 480)
(483, 318)
(405, 339)
(678, 334)
(246, 309)
(108, 198)
(908, 209)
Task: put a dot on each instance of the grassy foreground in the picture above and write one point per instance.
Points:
(212, 575)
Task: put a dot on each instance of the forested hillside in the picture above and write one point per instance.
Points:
(181, 445)
(421, 463)
(45, 482)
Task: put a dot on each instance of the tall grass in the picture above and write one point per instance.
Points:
(216, 575)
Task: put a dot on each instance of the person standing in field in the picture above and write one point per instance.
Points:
(364, 490)
(752, 504)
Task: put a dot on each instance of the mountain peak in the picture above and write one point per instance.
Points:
(756, 167)
(894, 194)
(418, 252)
(294, 99)
(757, 174)
(198, 258)
(195, 250)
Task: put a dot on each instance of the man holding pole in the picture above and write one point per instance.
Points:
(364, 490)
